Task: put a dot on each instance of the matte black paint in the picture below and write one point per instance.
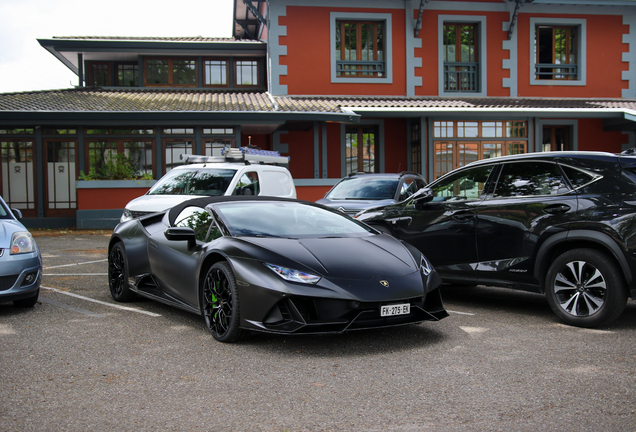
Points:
(348, 296)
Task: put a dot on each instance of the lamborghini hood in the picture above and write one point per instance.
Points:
(342, 258)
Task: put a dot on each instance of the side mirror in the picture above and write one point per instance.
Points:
(182, 234)
(17, 213)
(423, 195)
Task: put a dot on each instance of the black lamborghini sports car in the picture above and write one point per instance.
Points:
(272, 265)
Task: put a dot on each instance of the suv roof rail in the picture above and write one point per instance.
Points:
(403, 173)
(246, 155)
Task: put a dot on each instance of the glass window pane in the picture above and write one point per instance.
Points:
(247, 72)
(127, 75)
(216, 72)
(530, 179)
(157, 71)
(184, 72)
(464, 185)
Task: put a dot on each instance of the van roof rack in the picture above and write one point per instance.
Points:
(247, 155)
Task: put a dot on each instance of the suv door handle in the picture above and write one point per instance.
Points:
(463, 216)
(557, 208)
(400, 219)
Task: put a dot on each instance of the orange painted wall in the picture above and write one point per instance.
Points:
(604, 59)
(309, 51)
(395, 145)
(311, 193)
(592, 137)
(111, 198)
(301, 153)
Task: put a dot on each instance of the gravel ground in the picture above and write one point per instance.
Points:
(502, 361)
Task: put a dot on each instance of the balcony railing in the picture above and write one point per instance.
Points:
(346, 68)
(461, 77)
(556, 71)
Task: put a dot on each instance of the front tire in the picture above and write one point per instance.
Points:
(220, 304)
(118, 274)
(585, 288)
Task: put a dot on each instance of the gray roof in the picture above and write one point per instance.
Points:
(145, 100)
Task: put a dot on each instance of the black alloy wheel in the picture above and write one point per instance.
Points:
(118, 274)
(585, 288)
(220, 304)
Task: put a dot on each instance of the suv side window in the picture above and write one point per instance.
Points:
(530, 179)
(247, 184)
(465, 185)
(579, 178)
(409, 187)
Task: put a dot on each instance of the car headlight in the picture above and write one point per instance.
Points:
(293, 275)
(22, 242)
(126, 216)
(425, 267)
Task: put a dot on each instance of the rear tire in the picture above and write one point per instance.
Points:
(585, 288)
(118, 274)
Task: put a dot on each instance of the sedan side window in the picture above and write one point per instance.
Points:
(465, 185)
(247, 184)
(530, 179)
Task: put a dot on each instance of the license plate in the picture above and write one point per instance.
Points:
(396, 309)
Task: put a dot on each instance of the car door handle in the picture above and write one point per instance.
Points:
(557, 209)
(407, 219)
(463, 216)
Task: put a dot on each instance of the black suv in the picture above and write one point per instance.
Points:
(359, 191)
(560, 223)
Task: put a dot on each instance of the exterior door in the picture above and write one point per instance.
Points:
(529, 198)
(60, 174)
(17, 160)
(556, 138)
(361, 149)
(444, 229)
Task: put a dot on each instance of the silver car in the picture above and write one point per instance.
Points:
(20, 260)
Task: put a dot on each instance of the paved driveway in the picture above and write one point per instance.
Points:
(502, 361)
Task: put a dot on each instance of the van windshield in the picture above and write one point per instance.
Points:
(206, 182)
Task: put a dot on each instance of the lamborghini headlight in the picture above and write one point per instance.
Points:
(293, 275)
(425, 267)
(22, 242)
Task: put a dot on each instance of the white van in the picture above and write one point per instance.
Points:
(242, 171)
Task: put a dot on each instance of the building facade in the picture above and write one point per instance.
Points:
(339, 86)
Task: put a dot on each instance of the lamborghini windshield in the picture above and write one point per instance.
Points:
(286, 219)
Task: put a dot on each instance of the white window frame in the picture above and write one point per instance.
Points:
(483, 57)
(582, 50)
(349, 16)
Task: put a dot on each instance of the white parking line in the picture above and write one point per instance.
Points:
(460, 313)
(103, 303)
(71, 308)
(74, 264)
(74, 274)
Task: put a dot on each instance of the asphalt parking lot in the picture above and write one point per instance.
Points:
(79, 361)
